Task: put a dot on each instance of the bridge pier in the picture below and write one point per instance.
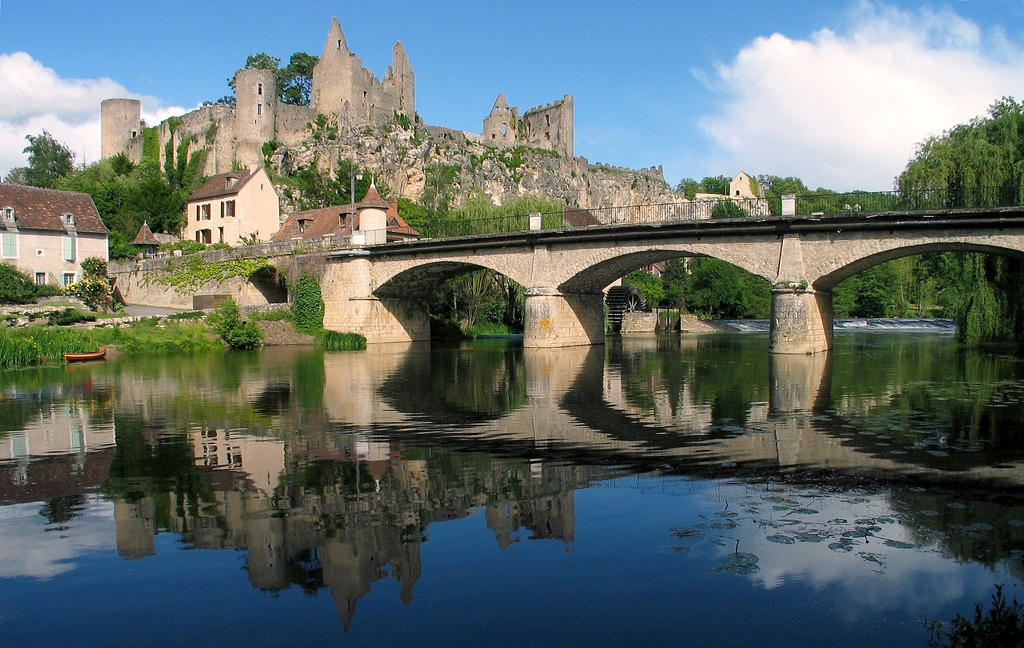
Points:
(801, 320)
(349, 306)
(554, 319)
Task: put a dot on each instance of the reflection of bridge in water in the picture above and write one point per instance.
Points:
(340, 495)
(576, 406)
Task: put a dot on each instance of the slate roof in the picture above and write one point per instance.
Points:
(321, 222)
(222, 184)
(44, 209)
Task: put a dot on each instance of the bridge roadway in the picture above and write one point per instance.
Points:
(381, 291)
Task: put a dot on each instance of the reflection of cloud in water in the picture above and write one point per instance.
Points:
(27, 548)
(853, 541)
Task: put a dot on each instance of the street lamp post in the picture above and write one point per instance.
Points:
(352, 189)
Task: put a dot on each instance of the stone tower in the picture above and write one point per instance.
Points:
(347, 91)
(332, 74)
(400, 83)
(500, 126)
(121, 128)
(255, 114)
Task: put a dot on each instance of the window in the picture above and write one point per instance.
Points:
(302, 226)
(69, 219)
(259, 109)
(69, 247)
(204, 236)
(259, 88)
(40, 278)
(206, 211)
(10, 245)
(8, 213)
(229, 208)
(67, 278)
(220, 234)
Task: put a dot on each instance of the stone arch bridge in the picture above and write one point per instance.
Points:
(380, 291)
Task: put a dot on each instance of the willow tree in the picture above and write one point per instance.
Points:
(979, 163)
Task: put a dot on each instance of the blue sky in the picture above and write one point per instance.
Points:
(836, 93)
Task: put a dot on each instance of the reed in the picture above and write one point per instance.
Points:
(36, 345)
(335, 341)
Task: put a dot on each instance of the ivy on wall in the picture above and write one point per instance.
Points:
(193, 271)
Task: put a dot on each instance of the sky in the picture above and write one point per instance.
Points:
(836, 93)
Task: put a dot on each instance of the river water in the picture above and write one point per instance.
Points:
(655, 491)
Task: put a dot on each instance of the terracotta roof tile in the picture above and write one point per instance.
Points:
(44, 209)
(145, 236)
(321, 222)
(222, 184)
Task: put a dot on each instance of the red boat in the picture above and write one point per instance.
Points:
(87, 355)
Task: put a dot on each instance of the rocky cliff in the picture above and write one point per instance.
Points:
(409, 157)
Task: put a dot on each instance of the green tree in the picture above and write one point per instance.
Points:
(48, 161)
(295, 81)
(979, 163)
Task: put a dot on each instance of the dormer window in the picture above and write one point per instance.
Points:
(69, 219)
(302, 225)
(8, 213)
(230, 182)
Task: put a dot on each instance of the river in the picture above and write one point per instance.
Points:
(653, 491)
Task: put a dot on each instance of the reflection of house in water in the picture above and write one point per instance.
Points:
(343, 512)
(57, 450)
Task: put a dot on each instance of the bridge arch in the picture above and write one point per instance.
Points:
(594, 271)
(418, 281)
(843, 266)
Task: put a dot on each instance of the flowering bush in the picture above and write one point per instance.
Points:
(94, 291)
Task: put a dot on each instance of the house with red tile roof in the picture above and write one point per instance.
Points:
(46, 233)
(231, 206)
(373, 213)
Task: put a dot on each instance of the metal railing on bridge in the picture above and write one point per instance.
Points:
(726, 207)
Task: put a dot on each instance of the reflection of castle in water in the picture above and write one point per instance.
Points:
(342, 513)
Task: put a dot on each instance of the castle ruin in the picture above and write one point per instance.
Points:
(348, 95)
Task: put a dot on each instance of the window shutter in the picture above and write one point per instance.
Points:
(10, 250)
(69, 248)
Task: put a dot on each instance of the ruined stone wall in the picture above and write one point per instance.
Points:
(211, 128)
(551, 126)
(293, 124)
(501, 125)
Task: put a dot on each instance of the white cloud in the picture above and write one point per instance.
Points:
(36, 98)
(845, 109)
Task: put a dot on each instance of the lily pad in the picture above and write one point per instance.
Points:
(739, 563)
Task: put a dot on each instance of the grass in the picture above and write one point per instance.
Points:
(146, 338)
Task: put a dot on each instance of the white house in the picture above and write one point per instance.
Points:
(46, 233)
(230, 206)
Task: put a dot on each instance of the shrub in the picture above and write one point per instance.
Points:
(48, 290)
(94, 267)
(94, 291)
(15, 286)
(70, 316)
(227, 322)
